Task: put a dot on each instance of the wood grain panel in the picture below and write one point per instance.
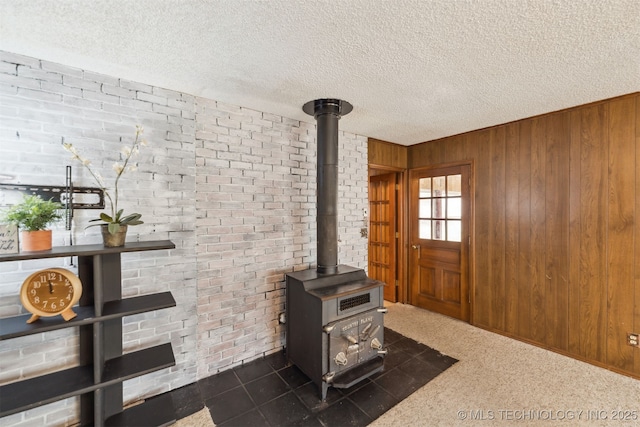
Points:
(455, 149)
(557, 231)
(538, 223)
(430, 151)
(511, 227)
(428, 281)
(496, 224)
(451, 286)
(382, 232)
(636, 255)
(575, 141)
(556, 237)
(382, 153)
(592, 184)
(483, 288)
(620, 232)
(444, 256)
(524, 231)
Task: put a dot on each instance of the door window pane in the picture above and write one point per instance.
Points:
(454, 231)
(440, 200)
(439, 232)
(454, 207)
(454, 185)
(425, 208)
(439, 186)
(425, 187)
(438, 208)
(424, 229)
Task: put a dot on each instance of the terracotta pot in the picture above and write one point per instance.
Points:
(113, 240)
(36, 240)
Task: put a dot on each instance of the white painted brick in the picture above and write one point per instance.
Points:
(167, 94)
(6, 89)
(79, 82)
(8, 68)
(98, 96)
(100, 78)
(37, 74)
(62, 69)
(60, 88)
(233, 188)
(143, 96)
(116, 90)
(81, 103)
(16, 58)
(19, 81)
(136, 86)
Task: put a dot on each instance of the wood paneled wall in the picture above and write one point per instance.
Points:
(382, 153)
(557, 228)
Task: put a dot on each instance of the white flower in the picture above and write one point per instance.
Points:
(117, 167)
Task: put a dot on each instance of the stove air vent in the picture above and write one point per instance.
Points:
(351, 302)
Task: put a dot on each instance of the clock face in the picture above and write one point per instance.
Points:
(50, 291)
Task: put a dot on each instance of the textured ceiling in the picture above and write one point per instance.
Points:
(413, 70)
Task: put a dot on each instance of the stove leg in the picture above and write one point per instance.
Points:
(325, 387)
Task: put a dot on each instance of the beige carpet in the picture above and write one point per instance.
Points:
(199, 419)
(499, 382)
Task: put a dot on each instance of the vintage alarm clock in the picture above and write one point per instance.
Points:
(50, 292)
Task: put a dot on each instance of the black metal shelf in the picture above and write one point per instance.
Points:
(99, 269)
(157, 411)
(34, 392)
(88, 250)
(14, 327)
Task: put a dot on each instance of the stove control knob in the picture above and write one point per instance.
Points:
(341, 359)
(351, 339)
(375, 344)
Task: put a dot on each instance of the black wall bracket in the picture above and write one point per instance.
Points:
(69, 196)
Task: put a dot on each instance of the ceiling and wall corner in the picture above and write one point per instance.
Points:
(414, 71)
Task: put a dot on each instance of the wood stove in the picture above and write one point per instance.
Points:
(334, 322)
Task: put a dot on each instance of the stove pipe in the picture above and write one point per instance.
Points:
(327, 112)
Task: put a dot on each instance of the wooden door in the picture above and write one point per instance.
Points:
(440, 210)
(382, 232)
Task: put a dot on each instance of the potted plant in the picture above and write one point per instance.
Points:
(114, 224)
(32, 216)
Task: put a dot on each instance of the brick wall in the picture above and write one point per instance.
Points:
(233, 188)
(256, 221)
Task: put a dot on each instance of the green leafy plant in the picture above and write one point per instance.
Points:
(33, 213)
(115, 220)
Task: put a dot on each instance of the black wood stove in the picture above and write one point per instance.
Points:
(334, 323)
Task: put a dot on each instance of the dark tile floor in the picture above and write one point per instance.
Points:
(271, 392)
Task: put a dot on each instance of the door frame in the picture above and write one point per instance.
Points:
(472, 228)
(403, 230)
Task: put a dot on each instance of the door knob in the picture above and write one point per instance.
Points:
(415, 246)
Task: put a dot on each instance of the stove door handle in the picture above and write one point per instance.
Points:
(382, 310)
